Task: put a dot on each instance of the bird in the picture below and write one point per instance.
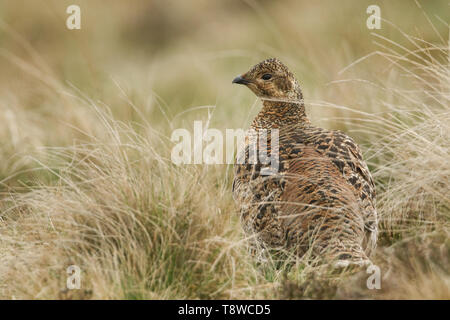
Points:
(321, 199)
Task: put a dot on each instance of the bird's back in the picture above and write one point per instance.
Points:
(322, 198)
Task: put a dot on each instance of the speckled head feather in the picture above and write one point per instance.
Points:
(282, 98)
(271, 80)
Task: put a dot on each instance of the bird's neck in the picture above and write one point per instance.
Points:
(277, 114)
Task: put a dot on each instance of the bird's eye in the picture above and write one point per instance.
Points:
(266, 76)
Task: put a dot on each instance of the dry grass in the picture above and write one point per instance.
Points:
(86, 176)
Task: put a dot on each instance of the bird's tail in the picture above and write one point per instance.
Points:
(343, 254)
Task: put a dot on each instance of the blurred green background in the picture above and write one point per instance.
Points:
(184, 53)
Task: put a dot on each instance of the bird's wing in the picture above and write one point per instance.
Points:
(345, 154)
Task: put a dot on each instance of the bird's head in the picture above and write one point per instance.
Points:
(271, 80)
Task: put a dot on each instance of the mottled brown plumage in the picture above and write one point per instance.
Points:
(322, 199)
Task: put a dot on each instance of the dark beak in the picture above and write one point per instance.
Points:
(240, 80)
